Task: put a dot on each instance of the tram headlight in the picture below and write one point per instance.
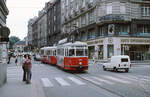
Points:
(80, 63)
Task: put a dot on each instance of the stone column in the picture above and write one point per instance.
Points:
(4, 33)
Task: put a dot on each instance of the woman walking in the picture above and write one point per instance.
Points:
(28, 66)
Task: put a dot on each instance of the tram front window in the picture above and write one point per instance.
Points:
(80, 52)
(71, 52)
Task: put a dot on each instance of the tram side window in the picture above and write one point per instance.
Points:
(54, 53)
(42, 52)
(86, 52)
(71, 52)
(80, 52)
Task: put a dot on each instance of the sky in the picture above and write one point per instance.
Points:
(20, 11)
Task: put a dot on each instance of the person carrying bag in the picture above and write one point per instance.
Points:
(28, 66)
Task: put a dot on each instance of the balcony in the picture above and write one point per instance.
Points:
(143, 34)
(123, 33)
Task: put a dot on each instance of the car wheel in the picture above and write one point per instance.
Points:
(115, 69)
(104, 68)
(127, 70)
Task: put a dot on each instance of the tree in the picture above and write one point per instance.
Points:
(12, 41)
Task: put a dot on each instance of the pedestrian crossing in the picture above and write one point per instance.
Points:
(97, 80)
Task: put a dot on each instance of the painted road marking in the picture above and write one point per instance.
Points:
(91, 80)
(117, 79)
(102, 80)
(77, 81)
(46, 82)
(61, 81)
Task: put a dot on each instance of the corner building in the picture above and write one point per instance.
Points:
(110, 27)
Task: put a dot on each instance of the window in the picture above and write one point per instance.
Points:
(101, 31)
(111, 29)
(91, 17)
(79, 52)
(109, 8)
(91, 34)
(143, 28)
(83, 20)
(110, 49)
(84, 36)
(145, 10)
(124, 60)
(124, 30)
(122, 8)
(71, 52)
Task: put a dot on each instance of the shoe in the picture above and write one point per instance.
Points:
(28, 82)
(23, 80)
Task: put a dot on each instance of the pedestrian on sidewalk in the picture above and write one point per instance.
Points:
(28, 66)
(23, 67)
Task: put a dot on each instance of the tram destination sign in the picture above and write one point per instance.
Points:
(135, 41)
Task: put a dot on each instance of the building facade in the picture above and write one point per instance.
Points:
(4, 33)
(39, 30)
(110, 27)
(30, 34)
(54, 21)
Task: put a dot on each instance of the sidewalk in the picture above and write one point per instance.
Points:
(15, 87)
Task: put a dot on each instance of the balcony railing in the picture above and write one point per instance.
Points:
(123, 33)
(143, 34)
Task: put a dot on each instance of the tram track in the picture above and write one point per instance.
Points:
(99, 86)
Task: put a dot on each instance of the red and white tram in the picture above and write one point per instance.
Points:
(48, 55)
(43, 53)
(73, 56)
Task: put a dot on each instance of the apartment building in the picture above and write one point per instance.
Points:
(39, 30)
(110, 27)
(54, 21)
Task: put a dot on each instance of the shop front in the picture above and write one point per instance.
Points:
(137, 48)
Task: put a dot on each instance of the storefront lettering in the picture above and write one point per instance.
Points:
(135, 40)
(94, 42)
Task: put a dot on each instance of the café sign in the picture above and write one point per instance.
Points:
(135, 40)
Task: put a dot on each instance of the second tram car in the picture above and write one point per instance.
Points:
(48, 55)
(73, 56)
(51, 55)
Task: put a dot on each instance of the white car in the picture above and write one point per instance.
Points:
(37, 57)
(117, 63)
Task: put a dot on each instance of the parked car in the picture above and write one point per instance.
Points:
(37, 57)
(117, 63)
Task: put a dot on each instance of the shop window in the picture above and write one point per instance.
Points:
(91, 52)
(100, 52)
(110, 49)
